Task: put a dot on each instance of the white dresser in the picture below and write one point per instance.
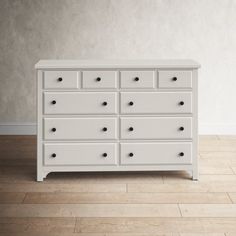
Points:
(122, 115)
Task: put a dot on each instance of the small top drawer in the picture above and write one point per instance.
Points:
(175, 79)
(137, 79)
(99, 79)
(61, 79)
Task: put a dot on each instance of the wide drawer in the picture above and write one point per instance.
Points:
(61, 79)
(156, 128)
(156, 102)
(80, 103)
(156, 153)
(99, 79)
(80, 154)
(137, 79)
(175, 79)
(80, 128)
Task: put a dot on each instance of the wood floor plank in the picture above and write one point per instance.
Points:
(11, 197)
(28, 226)
(156, 225)
(217, 145)
(43, 187)
(215, 169)
(89, 210)
(208, 210)
(65, 198)
(208, 178)
(33, 233)
(191, 187)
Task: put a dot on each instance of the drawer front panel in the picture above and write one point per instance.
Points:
(80, 128)
(80, 154)
(61, 79)
(156, 153)
(156, 128)
(156, 102)
(175, 79)
(99, 79)
(137, 79)
(80, 103)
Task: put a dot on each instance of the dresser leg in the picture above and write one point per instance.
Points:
(195, 175)
(39, 177)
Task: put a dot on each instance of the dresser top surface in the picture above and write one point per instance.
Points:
(99, 64)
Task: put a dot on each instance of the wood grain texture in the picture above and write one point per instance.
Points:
(52, 198)
(11, 197)
(37, 225)
(156, 225)
(208, 210)
(89, 210)
(117, 204)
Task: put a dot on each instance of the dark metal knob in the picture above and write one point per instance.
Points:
(131, 103)
(104, 103)
(181, 103)
(104, 129)
(136, 79)
(131, 154)
(174, 78)
(54, 102)
(181, 128)
(98, 79)
(131, 128)
(54, 155)
(181, 154)
(54, 129)
(104, 154)
(60, 79)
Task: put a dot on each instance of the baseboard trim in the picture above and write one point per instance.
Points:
(18, 128)
(30, 129)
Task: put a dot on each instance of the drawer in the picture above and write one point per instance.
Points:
(156, 153)
(61, 79)
(80, 103)
(80, 128)
(99, 79)
(156, 102)
(137, 79)
(156, 128)
(80, 154)
(175, 79)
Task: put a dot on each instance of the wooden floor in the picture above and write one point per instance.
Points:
(118, 204)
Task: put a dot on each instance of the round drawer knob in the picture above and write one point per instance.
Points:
(54, 129)
(54, 102)
(181, 154)
(104, 103)
(136, 79)
(104, 154)
(181, 128)
(181, 103)
(104, 129)
(131, 154)
(131, 128)
(131, 103)
(174, 78)
(59, 79)
(98, 79)
(54, 155)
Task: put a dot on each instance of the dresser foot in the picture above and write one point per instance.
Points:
(195, 175)
(41, 176)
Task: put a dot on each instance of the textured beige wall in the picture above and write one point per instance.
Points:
(204, 30)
